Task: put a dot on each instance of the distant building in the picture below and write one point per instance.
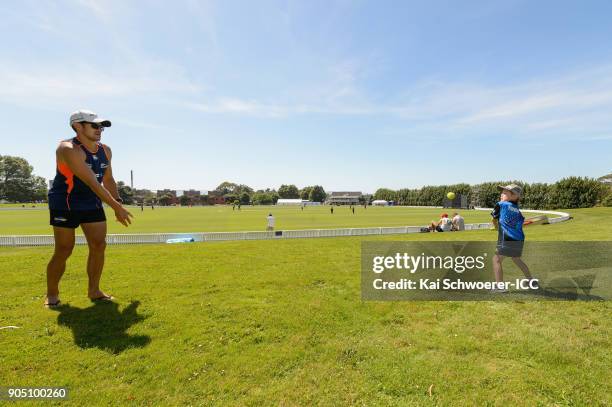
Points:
(162, 192)
(343, 198)
(214, 199)
(192, 193)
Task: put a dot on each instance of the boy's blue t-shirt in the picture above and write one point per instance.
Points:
(510, 219)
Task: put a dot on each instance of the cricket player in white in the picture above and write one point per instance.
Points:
(270, 222)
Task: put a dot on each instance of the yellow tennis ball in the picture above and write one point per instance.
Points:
(450, 195)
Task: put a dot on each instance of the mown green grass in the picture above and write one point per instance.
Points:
(223, 218)
(282, 323)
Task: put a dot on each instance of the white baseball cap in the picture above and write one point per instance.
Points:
(88, 116)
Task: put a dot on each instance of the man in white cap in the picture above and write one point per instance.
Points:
(83, 180)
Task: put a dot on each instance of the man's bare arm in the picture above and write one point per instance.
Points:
(108, 180)
(73, 158)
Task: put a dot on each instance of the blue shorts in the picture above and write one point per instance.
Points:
(507, 246)
(72, 219)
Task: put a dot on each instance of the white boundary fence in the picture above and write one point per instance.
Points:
(47, 240)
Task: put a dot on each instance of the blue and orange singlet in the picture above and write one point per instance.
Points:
(68, 192)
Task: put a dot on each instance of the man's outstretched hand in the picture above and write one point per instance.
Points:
(123, 216)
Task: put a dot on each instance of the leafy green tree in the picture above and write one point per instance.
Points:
(607, 199)
(385, 194)
(305, 193)
(38, 186)
(577, 192)
(231, 188)
(536, 196)
(245, 198)
(125, 193)
(17, 183)
(488, 193)
(407, 196)
(431, 195)
(262, 198)
(184, 200)
(317, 194)
(244, 188)
(288, 192)
(226, 188)
(572, 192)
(268, 197)
(231, 198)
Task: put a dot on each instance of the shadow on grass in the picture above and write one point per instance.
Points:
(556, 294)
(103, 326)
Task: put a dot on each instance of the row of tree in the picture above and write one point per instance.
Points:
(19, 184)
(571, 192)
(231, 193)
(244, 194)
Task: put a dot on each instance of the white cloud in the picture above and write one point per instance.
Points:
(239, 106)
(525, 103)
(101, 9)
(579, 102)
(54, 85)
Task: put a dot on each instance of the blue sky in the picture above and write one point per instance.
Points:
(352, 95)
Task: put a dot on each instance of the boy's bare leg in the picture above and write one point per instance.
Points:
(64, 243)
(497, 268)
(521, 264)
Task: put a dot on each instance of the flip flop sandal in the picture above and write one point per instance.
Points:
(52, 304)
(104, 298)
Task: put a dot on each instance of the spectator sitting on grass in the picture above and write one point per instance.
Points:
(443, 225)
(458, 222)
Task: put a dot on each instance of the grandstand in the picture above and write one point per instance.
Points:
(344, 198)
